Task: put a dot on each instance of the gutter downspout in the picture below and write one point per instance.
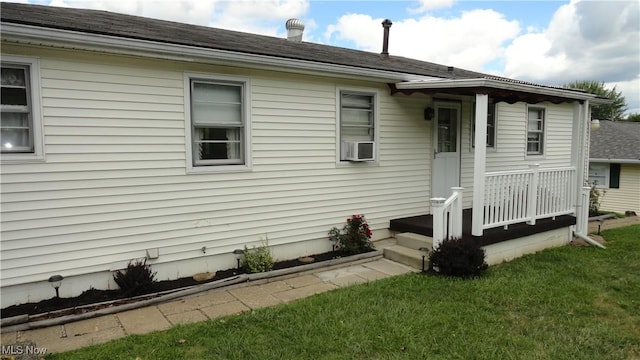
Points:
(589, 240)
(581, 158)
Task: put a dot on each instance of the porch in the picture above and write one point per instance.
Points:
(423, 225)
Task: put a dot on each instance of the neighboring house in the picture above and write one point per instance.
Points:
(125, 137)
(614, 164)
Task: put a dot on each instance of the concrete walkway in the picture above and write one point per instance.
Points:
(612, 223)
(207, 305)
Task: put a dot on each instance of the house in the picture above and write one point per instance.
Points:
(126, 138)
(614, 164)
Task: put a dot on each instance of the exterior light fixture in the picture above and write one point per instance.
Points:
(55, 282)
(595, 124)
(238, 253)
(429, 113)
(425, 251)
(334, 242)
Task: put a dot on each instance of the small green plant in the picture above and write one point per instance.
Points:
(355, 236)
(136, 279)
(595, 198)
(257, 259)
(459, 258)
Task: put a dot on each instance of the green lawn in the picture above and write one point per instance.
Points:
(565, 303)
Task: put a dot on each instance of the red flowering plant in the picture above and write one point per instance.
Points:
(355, 236)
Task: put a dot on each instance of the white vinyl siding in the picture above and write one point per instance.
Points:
(627, 196)
(20, 123)
(114, 183)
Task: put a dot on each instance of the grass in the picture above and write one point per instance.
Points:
(565, 303)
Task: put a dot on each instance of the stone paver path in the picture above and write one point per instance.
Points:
(201, 307)
(219, 302)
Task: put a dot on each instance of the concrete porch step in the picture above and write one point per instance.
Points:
(406, 256)
(414, 241)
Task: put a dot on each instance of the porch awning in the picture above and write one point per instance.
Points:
(501, 89)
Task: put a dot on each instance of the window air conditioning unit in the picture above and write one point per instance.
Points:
(361, 151)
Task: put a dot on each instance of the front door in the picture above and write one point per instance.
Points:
(446, 149)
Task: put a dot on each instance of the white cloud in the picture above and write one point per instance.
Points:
(427, 5)
(585, 40)
(465, 42)
(258, 17)
(526, 58)
(186, 11)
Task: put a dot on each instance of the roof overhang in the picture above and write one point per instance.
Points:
(615, 161)
(41, 36)
(501, 89)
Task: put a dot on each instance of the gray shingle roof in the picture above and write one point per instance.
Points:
(128, 26)
(136, 27)
(616, 140)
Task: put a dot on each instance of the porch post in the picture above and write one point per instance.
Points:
(576, 152)
(580, 159)
(437, 210)
(532, 192)
(479, 160)
(456, 213)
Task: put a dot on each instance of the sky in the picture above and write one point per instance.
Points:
(543, 41)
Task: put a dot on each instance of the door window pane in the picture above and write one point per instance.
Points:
(447, 130)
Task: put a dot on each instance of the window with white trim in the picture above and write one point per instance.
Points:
(605, 175)
(599, 175)
(20, 121)
(491, 125)
(535, 130)
(218, 122)
(357, 119)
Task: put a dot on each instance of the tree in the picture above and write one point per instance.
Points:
(614, 111)
(633, 117)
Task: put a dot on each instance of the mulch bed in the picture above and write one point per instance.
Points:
(94, 296)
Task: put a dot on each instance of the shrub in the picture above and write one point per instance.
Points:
(257, 259)
(595, 197)
(458, 257)
(355, 236)
(136, 279)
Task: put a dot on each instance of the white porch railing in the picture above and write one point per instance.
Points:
(447, 217)
(527, 195)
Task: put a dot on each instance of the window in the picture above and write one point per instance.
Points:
(599, 175)
(20, 124)
(535, 131)
(604, 175)
(491, 125)
(357, 119)
(218, 131)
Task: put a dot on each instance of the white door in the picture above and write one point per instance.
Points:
(445, 171)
